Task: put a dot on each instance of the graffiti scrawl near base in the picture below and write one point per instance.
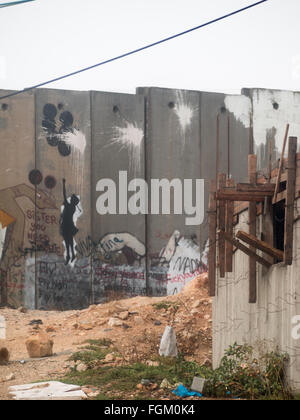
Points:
(67, 228)
(178, 262)
(13, 219)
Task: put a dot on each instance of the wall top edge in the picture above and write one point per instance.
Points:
(146, 90)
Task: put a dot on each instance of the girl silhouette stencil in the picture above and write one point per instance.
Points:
(67, 227)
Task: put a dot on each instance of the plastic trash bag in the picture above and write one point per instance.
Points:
(182, 392)
(168, 344)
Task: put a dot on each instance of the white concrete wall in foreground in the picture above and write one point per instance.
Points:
(268, 323)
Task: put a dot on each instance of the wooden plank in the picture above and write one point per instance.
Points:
(281, 163)
(234, 195)
(244, 249)
(290, 199)
(261, 245)
(212, 253)
(221, 226)
(280, 196)
(283, 178)
(229, 230)
(252, 230)
(261, 188)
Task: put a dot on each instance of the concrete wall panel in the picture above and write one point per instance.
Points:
(17, 195)
(172, 152)
(272, 110)
(63, 225)
(118, 239)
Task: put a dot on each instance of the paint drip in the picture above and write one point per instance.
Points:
(184, 113)
(130, 137)
(75, 139)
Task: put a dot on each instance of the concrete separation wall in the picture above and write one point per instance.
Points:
(59, 150)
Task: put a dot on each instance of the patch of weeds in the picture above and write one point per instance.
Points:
(95, 351)
(101, 342)
(240, 375)
(124, 379)
(165, 305)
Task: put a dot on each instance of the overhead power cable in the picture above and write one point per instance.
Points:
(14, 3)
(135, 51)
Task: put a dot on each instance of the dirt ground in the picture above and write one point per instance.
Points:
(142, 322)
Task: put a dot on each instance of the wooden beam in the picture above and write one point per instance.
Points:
(290, 199)
(234, 195)
(252, 178)
(244, 249)
(212, 253)
(281, 163)
(221, 226)
(260, 188)
(229, 230)
(261, 245)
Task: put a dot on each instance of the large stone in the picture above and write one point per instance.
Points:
(4, 356)
(39, 345)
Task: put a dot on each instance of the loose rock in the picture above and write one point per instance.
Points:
(4, 356)
(39, 345)
(115, 322)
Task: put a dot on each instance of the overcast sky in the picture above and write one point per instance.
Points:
(48, 38)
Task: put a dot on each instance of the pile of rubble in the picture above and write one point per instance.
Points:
(133, 326)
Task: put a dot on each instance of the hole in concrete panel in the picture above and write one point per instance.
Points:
(4, 107)
(275, 105)
(116, 109)
(223, 109)
(171, 105)
(60, 106)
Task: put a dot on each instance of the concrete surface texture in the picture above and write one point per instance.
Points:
(56, 250)
(268, 325)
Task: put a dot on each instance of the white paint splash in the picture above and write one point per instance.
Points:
(167, 253)
(241, 107)
(130, 137)
(267, 118)
(2, 239)
(184, 113)
(76, 139)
